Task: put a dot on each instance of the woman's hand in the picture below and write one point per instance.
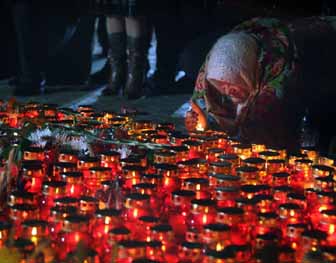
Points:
(195, 118)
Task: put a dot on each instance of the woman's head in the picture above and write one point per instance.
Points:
(232, 66)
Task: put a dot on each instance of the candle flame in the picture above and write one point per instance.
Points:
(219, 247)
(292, 213)
(77, 237)
(204, 219)
(107, 220)
(34, 231)
(198, 187)
(106, 229)
(331, 229)
(135, 213)
(72, 189)
(199, 127)
(294, 245)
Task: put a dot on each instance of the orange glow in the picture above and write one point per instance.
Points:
(205, 219)
(34, 231)
(292, 213)
(135, 213)
(331, 229)
(219, 247)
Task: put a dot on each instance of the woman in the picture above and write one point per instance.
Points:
(127, 37)
(258, 80)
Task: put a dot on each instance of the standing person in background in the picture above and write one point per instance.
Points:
(127, 37)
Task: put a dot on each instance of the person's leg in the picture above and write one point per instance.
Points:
(28, 82)
(116, 54)
(136, 55)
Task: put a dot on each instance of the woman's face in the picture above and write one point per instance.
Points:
(237, 94)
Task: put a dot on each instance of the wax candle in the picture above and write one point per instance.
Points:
(33, 173)
(74, 183)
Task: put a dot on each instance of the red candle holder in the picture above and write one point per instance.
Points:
(220, 167)
(266, 223)
(88, 205)
(164, 156)
(68, 156)
(105, 220)
(225, 196)
(21, 212)
(33, 154)
(324, 184)
(232, 158)
(291, 213)
(249, 191)
(213, 154)
(312, 240)
(74, 183)
(85, 163)
(57, 217)
(280, 193)
(169, 173)
(136, 205)
(248, 174)
(276, 166)
(5, 228)
(154, 253)
(181, 153)
(257, 148)
(255, 162)
(16, 198)
(177, 138)
(196, 168)
(198, 185)
(61, 168)
(280, 178)
(190, 252)
(230, 216)
(242, 253)
(216, 236)
(244, 151)
(266, 240)
(156, 179)
(311, 153)
(159, 139)
(95, 177)
(269, 155)
(129, 250)
(322, 171)
(328, 225)
(223, 180)
(202, 213)
(195, 148)
(133, 160)
(131, 175)
(142, 230)
(292, 234)
(118, 234)
(33, 173)
(297, 198)
(219, 256)
(35, 230)
(67, 202)
(164, 233)
(111, 160)
(264, 203)
(51, 191)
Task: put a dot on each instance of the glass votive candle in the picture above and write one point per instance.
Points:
(145, 188)
(131, 175)
(276, 166)
(195, 148)
(242, 150)
(16, 197)
(293, 232)
(264, 203)
(266, 240)
(326, 160)
(280, 178)
(5, 228)
(159, 139)
(33, 172)
(118, 234)
(219, 256)
(63, 167)
(105, 220)
(164, 156)
(95, 177)
(220, 167)
(325, 183)
(170, 176)
(88, 205)
(192, 168)
(177, 138)
(20, 212)
(297, 198)
(67, 202)
(232, 158)
(280, 193)
(202, 212)
(254, 161)
(213, 154)
(198, 185)
(311, 153)
(74, 183)
(154, 252)
(249, 191)
(269, 155)
(181, 152)
(190, 252)
(267, 222)
(156, 179)
(223, 180)
(242, 253)
(322, 171)
(76, 229)
(327, 224)
(165, 234)
(129, 250)
(142, 230)
(136, 205)
(290, 213)
(312, 240)
(51, 191)
(57, 216)
(130, 161)
(33, 153)
(230, 216)
(111, 159)
(85, 163)
(248, 174)
(68, 156)
(304, 166)
(178, 210)
(225, 196)
(257, 148)
(35, 230)
(216, 236)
